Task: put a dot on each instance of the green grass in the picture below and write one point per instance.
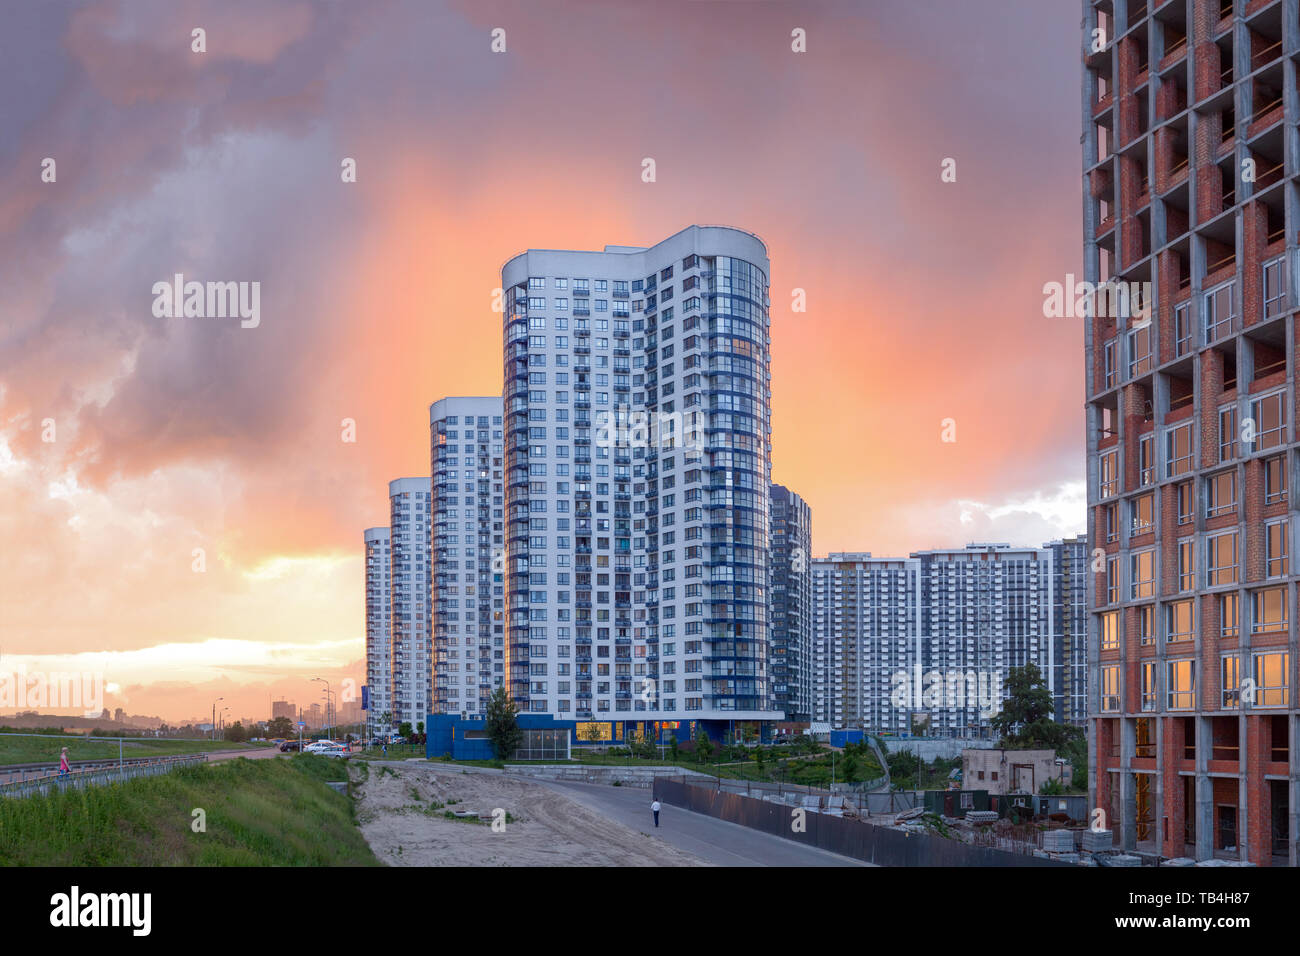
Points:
(258, 813)
(46, 749)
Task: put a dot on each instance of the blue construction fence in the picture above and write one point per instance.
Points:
(467, 738)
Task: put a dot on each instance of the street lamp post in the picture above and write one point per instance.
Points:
(328, 727)
(213, 731)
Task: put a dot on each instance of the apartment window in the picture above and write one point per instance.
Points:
(1146, 460)
(1230, 674)
(1110, 688)
(1228, 433)
(1143, 513)
(1142, 574)
(1111, 512)
(1275, 535)
(1179, 620)
(1148, 685)
(1186, 564)
(1220, 311)
(1109, 473)
(1275, 287)
(1139, 351)
(1112, 580)
(1146, 624)
(1269, 413)
(1275, 480)
(1182, 328)
(1110, 631)
(1229, 615)
(1111, 364)
(1185, 503)
(1268, 611)
(1221, 559)
(1181, 682)
(1271, 685)
(1178, 450)
(1221, 494)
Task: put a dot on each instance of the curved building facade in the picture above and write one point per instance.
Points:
(637, 466)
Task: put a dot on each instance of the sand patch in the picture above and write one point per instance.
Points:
(401, 807)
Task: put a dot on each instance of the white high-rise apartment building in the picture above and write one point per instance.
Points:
(935, 635)
(468, 508)
(866, 628)
(378, 621)
(412, 605)
(637, 558)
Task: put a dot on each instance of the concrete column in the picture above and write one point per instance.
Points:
(1127, 785)
(1204, 791)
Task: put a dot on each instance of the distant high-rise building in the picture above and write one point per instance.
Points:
(284, 708)
(1070, 560)
(791, 651)
(468, 508)
(379, 662)
(926, 643)
(411, 627)
(866, 619)
(638, 459)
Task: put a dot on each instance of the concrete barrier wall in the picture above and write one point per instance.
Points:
(862, 841)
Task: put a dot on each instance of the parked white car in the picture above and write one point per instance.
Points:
(317, 746)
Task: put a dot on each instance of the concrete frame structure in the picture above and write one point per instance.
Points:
(1190, 163)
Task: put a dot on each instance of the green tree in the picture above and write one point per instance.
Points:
(703, 745)
(405, 729)
(673, 747)
(503, 724)
(236, 732)
(849, 766)
(1028, 701)
(281, 727)
(419, 727)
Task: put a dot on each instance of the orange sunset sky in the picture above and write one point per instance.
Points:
(924, 298)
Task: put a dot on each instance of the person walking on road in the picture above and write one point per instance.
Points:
(63, 763)
(654, 808)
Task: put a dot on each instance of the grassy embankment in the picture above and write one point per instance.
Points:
(258, 813)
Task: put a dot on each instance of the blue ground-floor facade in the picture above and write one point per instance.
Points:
(467, 739)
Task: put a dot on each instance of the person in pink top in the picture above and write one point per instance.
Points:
(63, 763)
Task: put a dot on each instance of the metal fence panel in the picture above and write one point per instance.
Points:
(853, 838)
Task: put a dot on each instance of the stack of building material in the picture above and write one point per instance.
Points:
(1097, 841)
(1058, 841)
(982, 816)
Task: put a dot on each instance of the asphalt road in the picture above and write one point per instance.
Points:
(719, 842)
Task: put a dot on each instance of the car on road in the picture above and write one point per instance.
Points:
(334, 752)
(289, 746)
(316, 746)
